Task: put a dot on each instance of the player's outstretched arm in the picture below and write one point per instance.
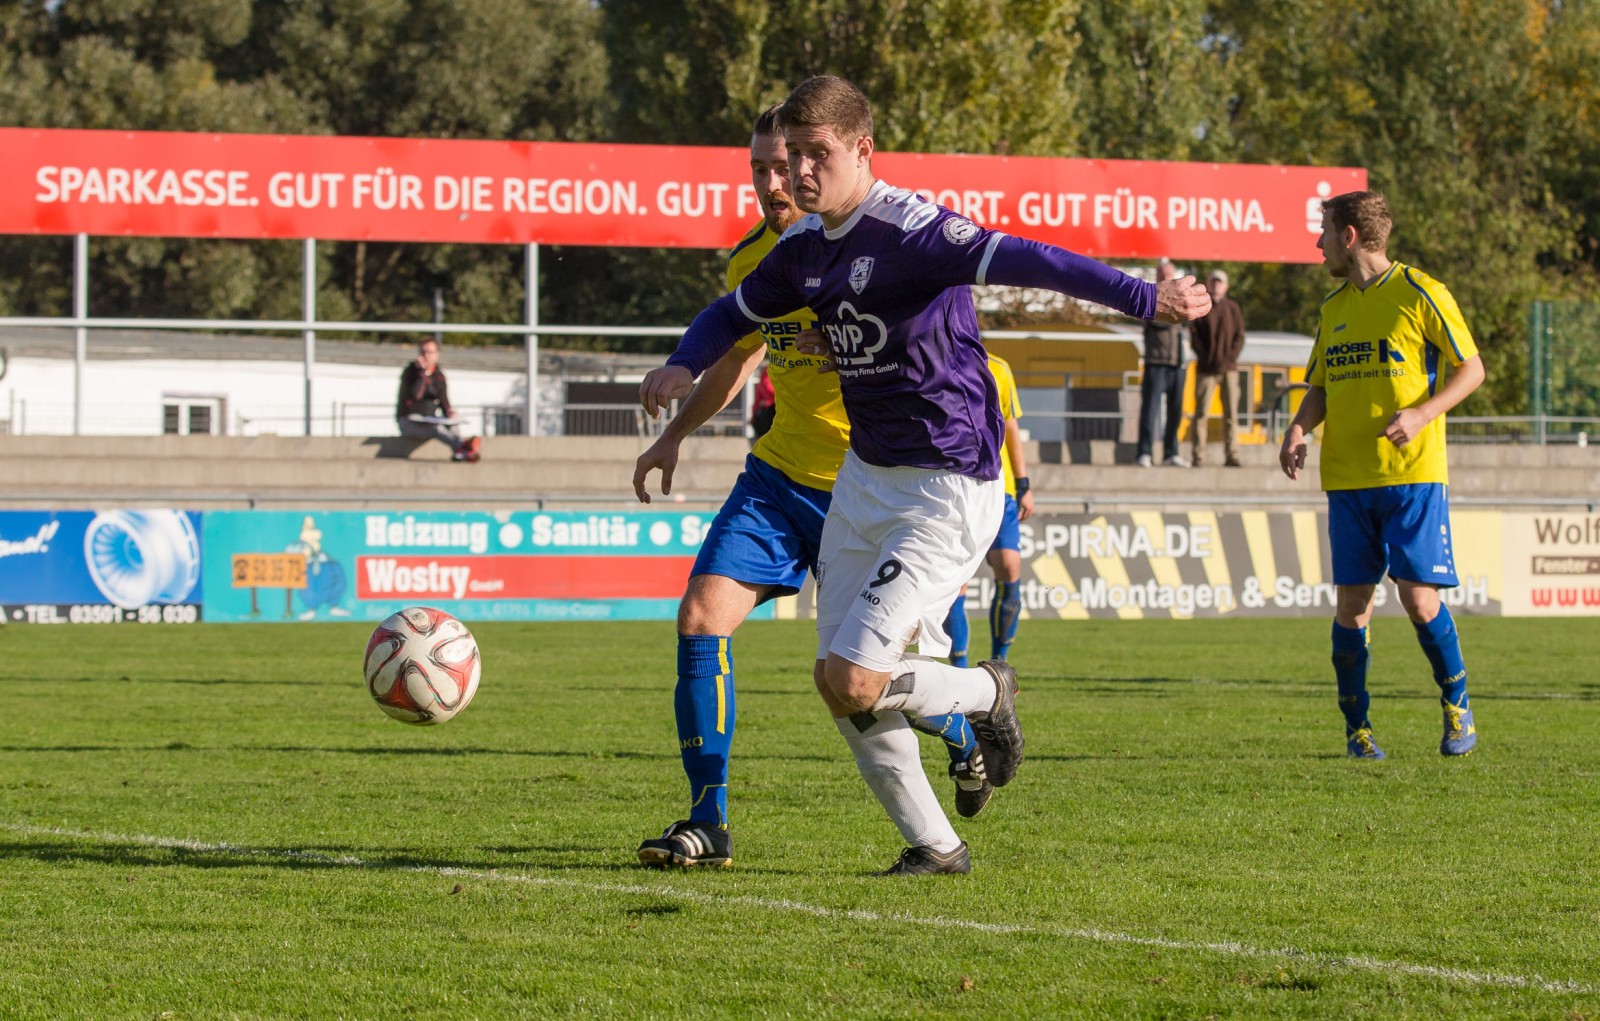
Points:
(717, 387)
(1019, 262)
(1313, 409)
(1408, 423)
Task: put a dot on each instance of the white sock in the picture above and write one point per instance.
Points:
(925, 687)
(890, 761)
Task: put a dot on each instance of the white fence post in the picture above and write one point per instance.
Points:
(308, 297)
(531, 340)
(80, 311)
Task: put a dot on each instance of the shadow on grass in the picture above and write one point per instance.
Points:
(1033, 757)
(204, 681)
(665, 688)
(1291, 688)
(655, 909)
(212, 681)
(534, 753)
(507, 869)
(537, 753)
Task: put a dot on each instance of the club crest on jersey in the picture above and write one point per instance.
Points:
(859, 271)
(959, 230)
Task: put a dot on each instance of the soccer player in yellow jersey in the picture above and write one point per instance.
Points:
(1005, 556)
(766, 536)
(1376, 383)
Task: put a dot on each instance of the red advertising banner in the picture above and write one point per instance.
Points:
(520, 577)
(168, 184)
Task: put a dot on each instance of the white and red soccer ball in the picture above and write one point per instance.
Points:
(422, 666)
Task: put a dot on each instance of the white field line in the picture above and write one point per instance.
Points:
(1460, 976)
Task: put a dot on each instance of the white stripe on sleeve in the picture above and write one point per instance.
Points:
(988, 254)
(738, 295)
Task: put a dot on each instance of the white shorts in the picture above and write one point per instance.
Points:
(898, 546)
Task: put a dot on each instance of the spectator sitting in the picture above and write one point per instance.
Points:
(424, 411)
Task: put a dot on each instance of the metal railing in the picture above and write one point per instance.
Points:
(351, 418)
(1539, 430)
(1277, 414)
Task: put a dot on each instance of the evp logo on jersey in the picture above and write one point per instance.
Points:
(856, 337)
(860, 270)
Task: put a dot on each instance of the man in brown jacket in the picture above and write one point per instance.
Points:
(1217, 340)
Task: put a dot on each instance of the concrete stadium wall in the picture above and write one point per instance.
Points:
(204, 472)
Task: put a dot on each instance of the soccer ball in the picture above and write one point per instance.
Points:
(422, 666)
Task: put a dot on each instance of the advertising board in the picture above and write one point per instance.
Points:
(83, 567)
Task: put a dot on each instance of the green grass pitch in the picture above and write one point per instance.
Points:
(216, 822)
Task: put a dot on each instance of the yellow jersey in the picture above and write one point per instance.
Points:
(1377, 351)
(1010, 410)
(810, 433)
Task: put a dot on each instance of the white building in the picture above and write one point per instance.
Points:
(150, 382)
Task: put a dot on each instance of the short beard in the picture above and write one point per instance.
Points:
(787, 218)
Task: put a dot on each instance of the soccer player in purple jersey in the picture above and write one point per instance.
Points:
(918, 499)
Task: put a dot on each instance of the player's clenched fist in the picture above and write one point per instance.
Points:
(1181, 299)
(812, 342)
(663, 386)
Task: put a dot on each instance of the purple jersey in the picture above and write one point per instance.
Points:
(890, 288)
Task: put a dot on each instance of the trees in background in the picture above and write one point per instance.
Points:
(504, 69)
(1449, 106)
(1481, 121)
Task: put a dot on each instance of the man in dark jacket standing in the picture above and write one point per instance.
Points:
(1162, 382)
(1217, 340)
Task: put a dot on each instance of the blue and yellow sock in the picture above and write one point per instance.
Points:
(953, 730)
(1003, 617)
(1442, 645)
(955, 625)
(1350, 658)
(703, 702)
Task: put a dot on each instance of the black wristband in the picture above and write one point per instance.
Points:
(1023, 485)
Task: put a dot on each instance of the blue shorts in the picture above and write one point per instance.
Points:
(767, 532)
(1010, 534)
(1402, 529)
